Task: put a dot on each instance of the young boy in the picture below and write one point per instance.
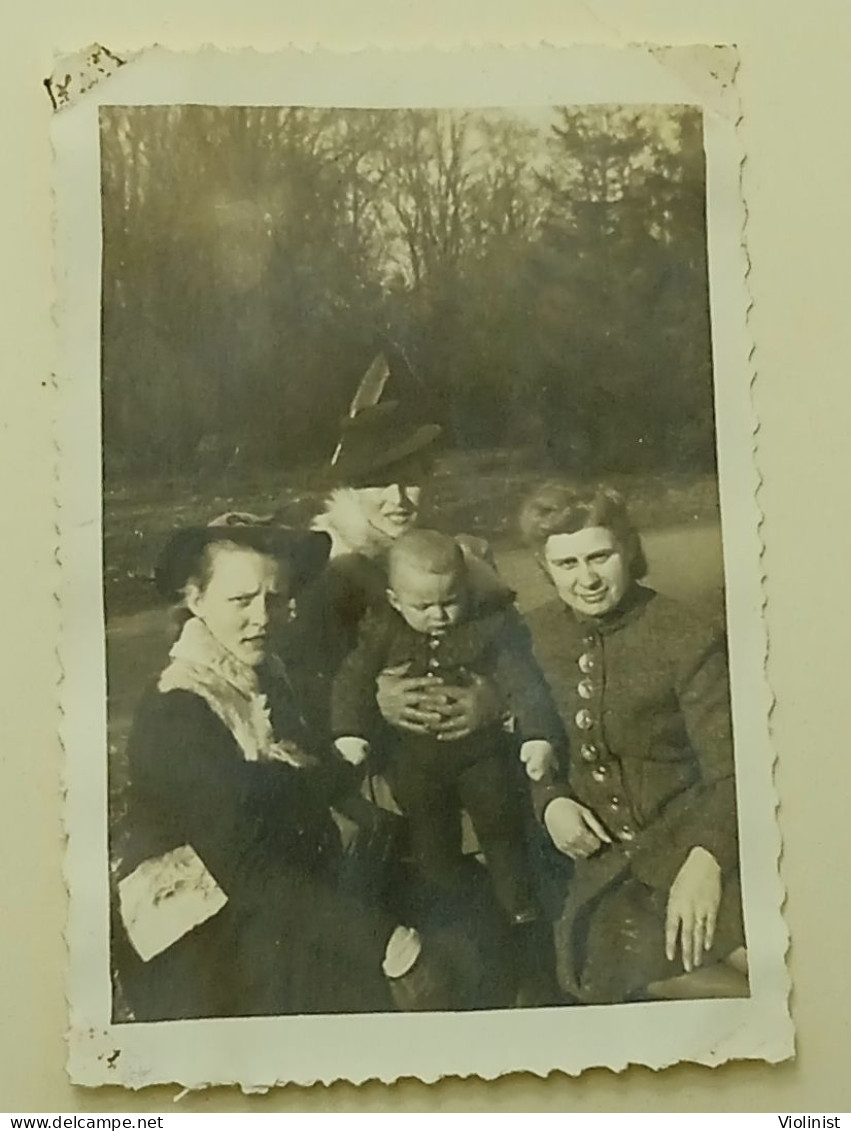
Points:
(446, 623)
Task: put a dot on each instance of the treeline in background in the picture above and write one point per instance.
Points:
(538, 279)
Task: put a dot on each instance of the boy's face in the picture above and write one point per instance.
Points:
(430, 602)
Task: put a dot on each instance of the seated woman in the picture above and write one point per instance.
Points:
(228, 883)
(383, 464)
(647, 808)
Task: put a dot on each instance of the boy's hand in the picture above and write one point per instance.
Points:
(539, 758)
(354, 750)
(573, 828)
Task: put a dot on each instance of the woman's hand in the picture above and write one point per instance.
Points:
(408, 702)
(467, 709)
(693, 908)
(573, 828)
(426, 705)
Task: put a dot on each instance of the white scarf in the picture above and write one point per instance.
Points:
(350, 530)
(200, 664)
(166, 897)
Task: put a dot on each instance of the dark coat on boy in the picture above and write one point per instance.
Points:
(492, 642)
(433, 779)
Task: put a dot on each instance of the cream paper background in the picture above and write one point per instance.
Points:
(794, 87)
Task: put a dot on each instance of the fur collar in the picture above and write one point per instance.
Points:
(201, 665)
(350, 530)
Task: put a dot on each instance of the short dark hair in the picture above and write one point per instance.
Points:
(428, 550)
(557, 507)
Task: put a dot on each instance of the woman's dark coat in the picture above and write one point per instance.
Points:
(288, 940)
(644, 696)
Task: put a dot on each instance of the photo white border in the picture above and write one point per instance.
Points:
(258, 1053)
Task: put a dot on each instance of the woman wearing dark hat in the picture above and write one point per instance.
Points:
(380, 467)
(228, 893)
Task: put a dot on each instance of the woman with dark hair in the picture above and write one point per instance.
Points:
(647, 807)
(228, 885)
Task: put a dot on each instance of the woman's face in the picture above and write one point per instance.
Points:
(240, 600)
(589, 570)
(391, 509)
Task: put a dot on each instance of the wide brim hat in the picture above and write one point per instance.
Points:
(377, 440)
(305, 551)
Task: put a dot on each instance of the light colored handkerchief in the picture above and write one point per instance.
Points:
(165, 898)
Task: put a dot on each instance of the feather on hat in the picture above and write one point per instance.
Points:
(375, 436)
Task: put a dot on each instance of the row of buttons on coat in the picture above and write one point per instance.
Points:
(590, 752)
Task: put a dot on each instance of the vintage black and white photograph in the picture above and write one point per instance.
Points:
(415, 622)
